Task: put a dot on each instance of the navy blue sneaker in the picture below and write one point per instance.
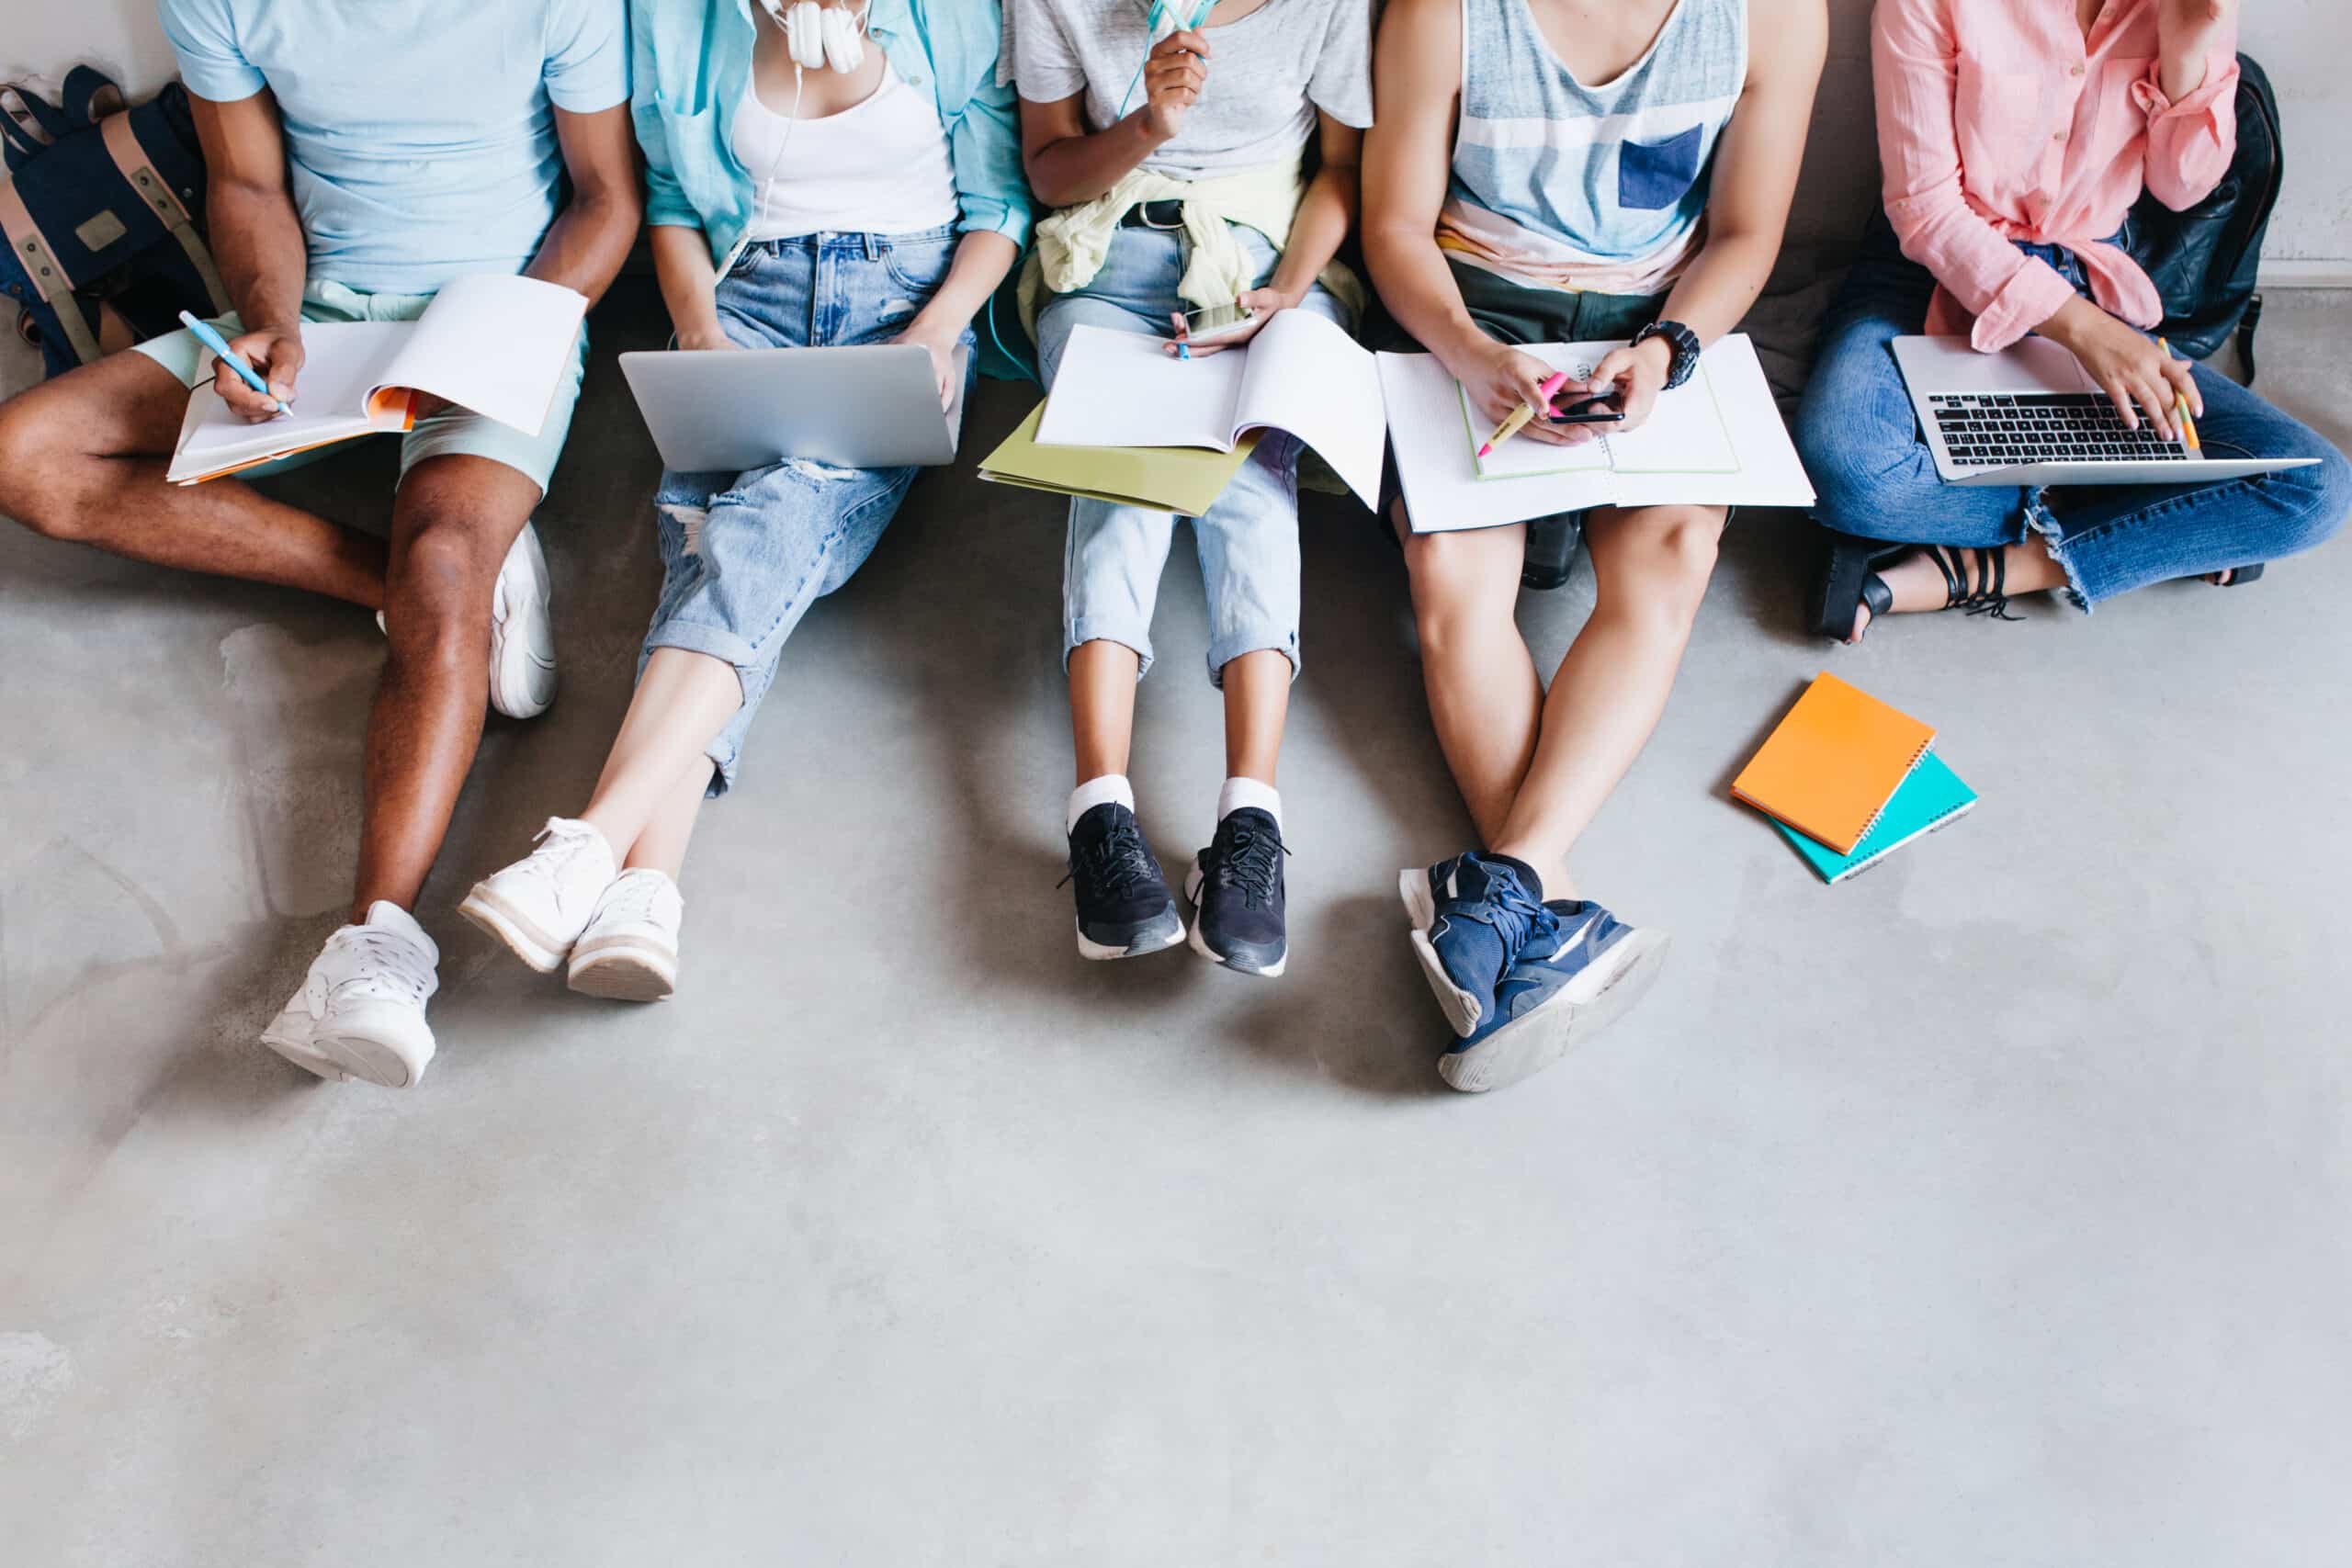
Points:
(1472, 914)
(1566, 987)
(1124, 910)
(1236, 887)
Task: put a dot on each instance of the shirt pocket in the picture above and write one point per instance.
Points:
(690, 144)
(1654, 176)
(2002, 126)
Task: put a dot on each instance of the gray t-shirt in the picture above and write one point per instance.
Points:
(1272, 71)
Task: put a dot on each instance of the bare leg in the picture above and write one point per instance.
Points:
(82, 458)
(662, 843)
(1486, 699)
(1651, 567)
(682, 703)
(452, 524)
(1102, 706)
(1257, 701)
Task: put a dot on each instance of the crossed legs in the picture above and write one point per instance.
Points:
(1532, 767)
(82, 458)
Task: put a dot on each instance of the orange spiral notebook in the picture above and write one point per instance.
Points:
(1829, 768)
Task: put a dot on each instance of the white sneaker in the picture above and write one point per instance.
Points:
(522, 632)
(538, 906)
(629, 952)
(360, 1013)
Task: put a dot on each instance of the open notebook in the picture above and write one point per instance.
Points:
(494, 344)
(1717, 440)
(1301, 374)
(1686, 432)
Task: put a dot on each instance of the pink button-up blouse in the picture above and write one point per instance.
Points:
(1998, 121)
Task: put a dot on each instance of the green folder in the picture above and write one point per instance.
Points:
(1931, 797)
(1183, 479)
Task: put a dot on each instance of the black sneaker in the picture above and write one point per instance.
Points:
(1236, 887)
(1124, 910)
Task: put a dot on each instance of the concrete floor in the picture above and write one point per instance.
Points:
(1988, 1209)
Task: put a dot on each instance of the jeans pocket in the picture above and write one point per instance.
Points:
(1652, 176)
(919, 267)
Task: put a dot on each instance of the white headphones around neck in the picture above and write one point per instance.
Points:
(821, 38)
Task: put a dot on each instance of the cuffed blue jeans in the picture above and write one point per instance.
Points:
(1876, 477)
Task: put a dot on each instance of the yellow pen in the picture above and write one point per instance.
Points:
(2188, 425)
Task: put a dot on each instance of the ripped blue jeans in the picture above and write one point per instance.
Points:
(1877, 478)
(743, 555)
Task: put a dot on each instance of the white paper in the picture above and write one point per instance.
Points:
(1118, 388)
(1684, 434)
(1308, 377)
(1443, 491)
(492, 343)
(340, 365)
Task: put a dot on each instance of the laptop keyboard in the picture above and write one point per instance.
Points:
(2000, 429)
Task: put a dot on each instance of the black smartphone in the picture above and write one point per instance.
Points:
(1597, 409)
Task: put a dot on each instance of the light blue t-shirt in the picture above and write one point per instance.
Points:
(419, 135)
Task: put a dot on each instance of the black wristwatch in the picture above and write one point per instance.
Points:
(1681, 340)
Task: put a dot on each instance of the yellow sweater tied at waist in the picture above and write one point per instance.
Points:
(1073, 243)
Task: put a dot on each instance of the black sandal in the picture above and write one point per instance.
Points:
(1850, 580)
(2235, 576)
(1849, 568)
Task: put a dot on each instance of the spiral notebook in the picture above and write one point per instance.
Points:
(1931, 798)
(1829, 767)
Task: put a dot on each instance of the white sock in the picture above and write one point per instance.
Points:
(1105, 789)
(1238, 793)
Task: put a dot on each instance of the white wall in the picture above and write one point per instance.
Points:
(40, 39)
(2306, 44)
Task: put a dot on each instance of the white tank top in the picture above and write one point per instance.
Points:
(881, 167)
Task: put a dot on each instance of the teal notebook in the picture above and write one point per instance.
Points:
(1930, 797)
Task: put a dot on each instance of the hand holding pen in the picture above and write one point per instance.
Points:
(242, 362)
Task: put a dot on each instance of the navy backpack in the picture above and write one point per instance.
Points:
(102, 208)
(2203, 261)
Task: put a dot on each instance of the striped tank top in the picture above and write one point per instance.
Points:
(1561, 185)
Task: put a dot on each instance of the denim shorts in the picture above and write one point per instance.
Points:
(743, 555)
(1247, 542)
(451, 432)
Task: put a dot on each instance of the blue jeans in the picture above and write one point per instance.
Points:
(743, 555)
(1877, 478)
(1247, 542)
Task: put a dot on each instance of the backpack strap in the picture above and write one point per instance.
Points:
(130, 158)
(88, 95)
(31, 250)
(23, 134)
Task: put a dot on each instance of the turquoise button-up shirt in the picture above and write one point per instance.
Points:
(690, 63)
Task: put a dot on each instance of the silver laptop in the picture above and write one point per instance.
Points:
(2030, 416)
(871, 407)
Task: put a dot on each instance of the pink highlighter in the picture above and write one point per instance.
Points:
(1519, 417)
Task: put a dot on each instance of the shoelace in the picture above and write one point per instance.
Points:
(1515, 917)
(555, 845)
(396, 965)
(1248, 861)
(1119, 864)
(631, 900)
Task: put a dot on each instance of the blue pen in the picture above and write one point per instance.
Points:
(220, 345)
